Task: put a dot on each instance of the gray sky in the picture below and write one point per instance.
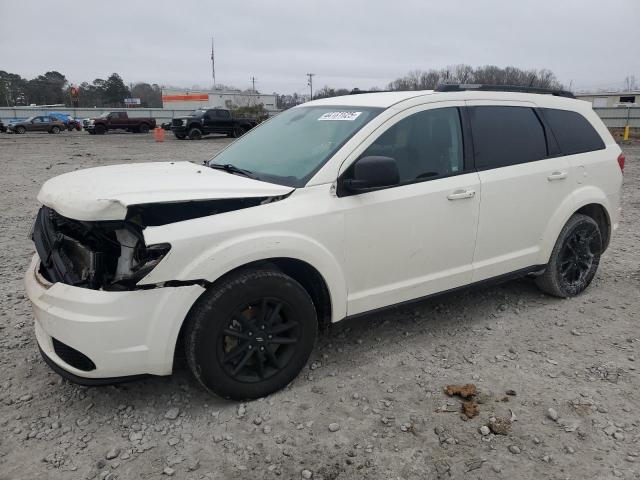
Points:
(347, 43)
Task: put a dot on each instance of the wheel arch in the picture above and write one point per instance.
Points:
(301, 271)
(590, 201)
(599, 213)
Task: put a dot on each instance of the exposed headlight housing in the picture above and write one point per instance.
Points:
(95, 255)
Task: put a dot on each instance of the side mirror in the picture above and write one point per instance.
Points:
(373, 172)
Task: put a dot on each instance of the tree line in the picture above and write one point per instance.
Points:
(486, 75)
(53, 88)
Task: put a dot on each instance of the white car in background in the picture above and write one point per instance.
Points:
(332, 209)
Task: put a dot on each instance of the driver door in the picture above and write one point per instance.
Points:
(417, 238)
(38, 124)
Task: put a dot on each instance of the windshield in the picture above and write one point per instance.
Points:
(292, 146)
(197, 113)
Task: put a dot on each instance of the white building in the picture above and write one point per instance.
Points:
(194, 99)
(610, 99)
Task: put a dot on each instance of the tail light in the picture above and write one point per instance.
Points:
(621, 162)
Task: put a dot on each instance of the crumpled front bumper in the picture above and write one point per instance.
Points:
(123, 333)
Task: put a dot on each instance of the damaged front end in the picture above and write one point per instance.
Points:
(112, 254)
(108, 255)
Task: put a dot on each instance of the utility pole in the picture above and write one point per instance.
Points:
(213, 66)
(310, 75)
(253, 83)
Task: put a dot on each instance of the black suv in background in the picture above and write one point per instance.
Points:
(215, 120)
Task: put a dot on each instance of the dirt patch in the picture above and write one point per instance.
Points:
(465, 391)
(470, 408)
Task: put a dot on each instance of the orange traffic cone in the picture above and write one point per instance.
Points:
(158, 134)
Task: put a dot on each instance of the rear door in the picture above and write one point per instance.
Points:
(523, 179)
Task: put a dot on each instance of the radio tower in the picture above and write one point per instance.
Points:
(213, 66)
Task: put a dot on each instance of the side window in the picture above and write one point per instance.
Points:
(37, 120)
(574, 132)
(426, 144)
(504, 136)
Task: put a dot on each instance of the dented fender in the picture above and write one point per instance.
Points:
(221, 258)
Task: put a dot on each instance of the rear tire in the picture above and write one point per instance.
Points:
(251, 334)
(195, 134)
(144, 128)
(55, 129)
(574, 259)
(238, 132)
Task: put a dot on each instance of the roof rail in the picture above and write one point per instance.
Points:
(357, 91)
(461, 87)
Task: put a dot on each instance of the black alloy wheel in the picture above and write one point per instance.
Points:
(574, 259)
(577, 255)
(259, 340)
(250, 334)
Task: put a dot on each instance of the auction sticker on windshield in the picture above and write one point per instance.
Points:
(348, 116)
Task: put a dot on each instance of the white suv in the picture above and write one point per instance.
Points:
(331, 209)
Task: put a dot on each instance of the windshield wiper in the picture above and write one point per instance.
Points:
(227, 167)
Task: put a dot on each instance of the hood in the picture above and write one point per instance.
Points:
(105, 193)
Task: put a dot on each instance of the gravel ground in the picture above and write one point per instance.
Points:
(559, 377)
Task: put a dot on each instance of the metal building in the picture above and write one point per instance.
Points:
(194, 99)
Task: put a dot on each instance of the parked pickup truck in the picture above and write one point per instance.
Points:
(119, 121)
(215, 120)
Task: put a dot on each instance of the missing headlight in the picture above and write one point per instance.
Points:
(109, 255)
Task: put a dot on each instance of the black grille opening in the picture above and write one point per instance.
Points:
(73, 357)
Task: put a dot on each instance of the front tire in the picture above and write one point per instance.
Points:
(251, 334)
(180, 136)
(574, 259)
(21, 130)
(195, 134)
(99, 129)
(238, 132)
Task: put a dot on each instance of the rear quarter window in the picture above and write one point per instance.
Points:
(573, 132)
(505, 135)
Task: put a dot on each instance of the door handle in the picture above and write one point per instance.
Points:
(557, 176)
(460, 194)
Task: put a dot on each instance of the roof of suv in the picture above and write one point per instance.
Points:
(387, 99)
